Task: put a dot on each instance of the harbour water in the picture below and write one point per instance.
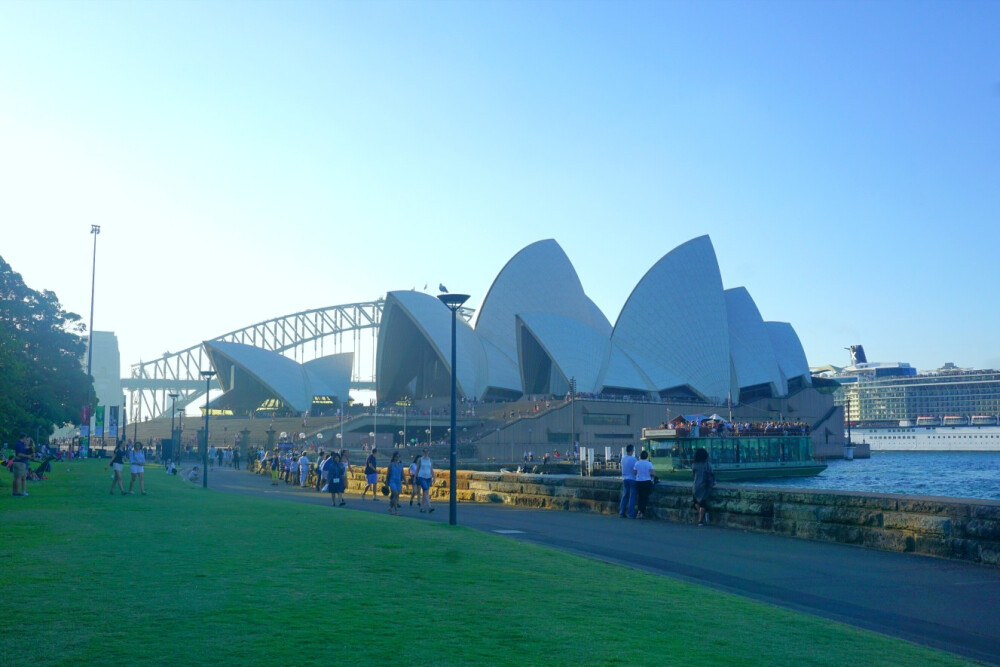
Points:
(951, 474)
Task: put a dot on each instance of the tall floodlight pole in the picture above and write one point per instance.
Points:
(95, 230)
(208, 375)
(454, 302)
(173, 433)
(572, 412)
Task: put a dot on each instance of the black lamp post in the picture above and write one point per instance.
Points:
(208, 375)
(454, 302)
(173, 432)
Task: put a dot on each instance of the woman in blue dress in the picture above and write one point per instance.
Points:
(336, 479)
(394, 480)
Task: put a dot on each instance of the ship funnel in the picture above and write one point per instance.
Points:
(858, 355)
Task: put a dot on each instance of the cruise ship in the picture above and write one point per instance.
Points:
(892, 407)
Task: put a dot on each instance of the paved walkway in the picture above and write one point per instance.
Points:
(949, 605)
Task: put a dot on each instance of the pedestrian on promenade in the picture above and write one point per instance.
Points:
(704, 482)
(643, 483)
(23, 453)
(414, 487)
(211, 456)
(236, 458)
(303, 469)
(137, 463)
(320, 477)
(394, 480)
(275, 468)
(627, 506)
(425, 478)
(336, 474)
(371, 475)
(117, 465)
(218, 455)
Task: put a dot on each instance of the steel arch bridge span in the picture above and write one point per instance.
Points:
(302, 336)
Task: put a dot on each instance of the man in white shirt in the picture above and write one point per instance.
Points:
(303, 468)
(627, 506)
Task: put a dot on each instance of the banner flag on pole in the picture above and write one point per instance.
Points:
(99, 421)
(113, 421)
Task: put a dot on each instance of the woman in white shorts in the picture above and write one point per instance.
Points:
(137, 461)
(116, 465)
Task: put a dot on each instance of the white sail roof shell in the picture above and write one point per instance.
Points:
(285, 378)
(575, 348)
(333, 372)
(621, 371)
(433, 319)
(750, 345)
(678, 331)
(538, 279)
(788, 350)
(674, 323)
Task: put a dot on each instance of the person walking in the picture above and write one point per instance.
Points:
(414, 487)
(627, 506)
(323, 476)
(137, 463)
(23, 454)
(320, 473)
(643, 483)
(275, 468)
(425, 478)
(303, 469)
(211, 456)
(336, 476)
(704, 482)
(117, 465)
(371, 475)
(236, 458)
(394, 480)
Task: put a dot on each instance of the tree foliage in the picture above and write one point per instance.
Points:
(42, 380)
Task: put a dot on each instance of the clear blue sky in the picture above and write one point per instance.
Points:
(252, 159)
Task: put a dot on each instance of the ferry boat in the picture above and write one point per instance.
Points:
(734, 458)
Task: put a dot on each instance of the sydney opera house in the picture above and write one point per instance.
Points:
(681, 337)
(682, 344)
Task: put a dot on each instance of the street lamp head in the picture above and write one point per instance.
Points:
(208, 374)
(174, 396)
(453, 301)
(95, 229)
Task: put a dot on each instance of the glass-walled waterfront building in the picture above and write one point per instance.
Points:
(963, 393)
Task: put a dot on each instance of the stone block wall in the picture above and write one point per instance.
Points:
(963, 529)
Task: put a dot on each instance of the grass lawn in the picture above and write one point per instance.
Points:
(188, 576)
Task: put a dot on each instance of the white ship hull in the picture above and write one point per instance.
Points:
(930, 438)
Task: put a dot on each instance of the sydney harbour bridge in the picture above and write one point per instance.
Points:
(302, 336)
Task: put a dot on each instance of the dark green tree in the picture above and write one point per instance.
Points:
(42, 380)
